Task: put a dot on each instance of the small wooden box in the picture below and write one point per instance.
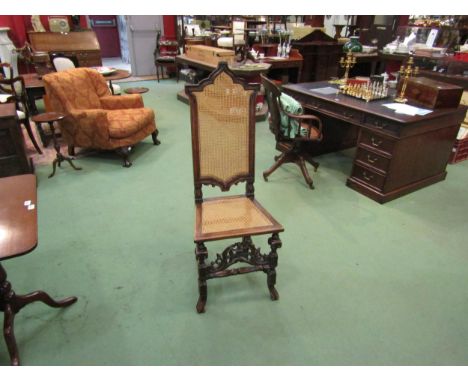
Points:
(432, 94)
(209, 54)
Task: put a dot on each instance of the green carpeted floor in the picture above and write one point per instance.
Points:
(360, 283)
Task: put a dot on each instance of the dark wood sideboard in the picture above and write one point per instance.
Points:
(84, 45)
(396, 154)
(13, 159)
(321, 54)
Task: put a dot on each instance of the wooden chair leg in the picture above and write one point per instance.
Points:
(27, 124)
(281, 159)
(275, 243)
(301, 163)
(201, 254)
(157, 71)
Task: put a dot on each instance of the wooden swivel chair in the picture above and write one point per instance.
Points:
(222, 109)
(292, 149)
(15, 88)
(165, 54)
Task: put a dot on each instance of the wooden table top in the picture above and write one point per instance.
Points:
(119, 74)
(18, 215)
(48, 117)
(32, 80)
(7, 110)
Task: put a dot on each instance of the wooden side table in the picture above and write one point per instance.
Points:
(138, 90)
(50, 118)
(18, 200)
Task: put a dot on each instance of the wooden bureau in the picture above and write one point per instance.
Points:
(84, 45)
(396, 154)
(13, 159)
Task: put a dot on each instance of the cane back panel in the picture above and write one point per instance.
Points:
(223, 129)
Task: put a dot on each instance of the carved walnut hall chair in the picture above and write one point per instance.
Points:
(223, 147)
(292, 132)
(93, 117)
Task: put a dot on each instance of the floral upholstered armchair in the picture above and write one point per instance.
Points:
(95, 118)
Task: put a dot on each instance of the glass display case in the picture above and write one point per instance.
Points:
(436, 39)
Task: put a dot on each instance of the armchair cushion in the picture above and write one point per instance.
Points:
(127, 122)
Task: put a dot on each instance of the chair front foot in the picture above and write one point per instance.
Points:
(201, 304)
(271, 281)
(154, 136)
(123, 152)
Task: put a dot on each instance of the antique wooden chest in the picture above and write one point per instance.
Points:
(209, 54)
(432, 94)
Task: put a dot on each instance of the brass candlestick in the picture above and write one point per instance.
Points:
(406, 73)
(347, 64)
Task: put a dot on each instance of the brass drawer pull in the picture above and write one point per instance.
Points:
(372, 160)
(367, 177)
(375, 143)
(347, 114)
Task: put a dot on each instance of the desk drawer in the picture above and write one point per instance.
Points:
(376, 141)
(369, 177)
(372, 159)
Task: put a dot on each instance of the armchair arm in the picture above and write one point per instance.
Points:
(131, 101)
(305, 121)
(87, 127)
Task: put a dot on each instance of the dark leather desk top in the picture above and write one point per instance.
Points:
(372, 107)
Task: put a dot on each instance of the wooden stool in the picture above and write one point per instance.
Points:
(50, 118)
(18, 199)
(136, 90)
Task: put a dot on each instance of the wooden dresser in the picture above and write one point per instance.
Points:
(13, 159)
(84, 45)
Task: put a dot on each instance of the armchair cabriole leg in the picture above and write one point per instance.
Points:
(123, 152)
(154, 136)
(275, 243)
(201, 255)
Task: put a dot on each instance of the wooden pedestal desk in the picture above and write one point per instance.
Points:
(396, 153)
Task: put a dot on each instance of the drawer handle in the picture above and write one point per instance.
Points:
(372, 160)
(367, 177)
(347, 114)
(375, 143)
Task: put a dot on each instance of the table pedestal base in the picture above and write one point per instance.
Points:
(11, 304)
(58, 160)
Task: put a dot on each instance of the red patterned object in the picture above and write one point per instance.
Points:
(459, 151)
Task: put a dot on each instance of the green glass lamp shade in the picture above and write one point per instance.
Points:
(353, 45)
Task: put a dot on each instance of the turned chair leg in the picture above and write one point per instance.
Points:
(201, 254)
(123, 152)
(154, 135)
(275, 243)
